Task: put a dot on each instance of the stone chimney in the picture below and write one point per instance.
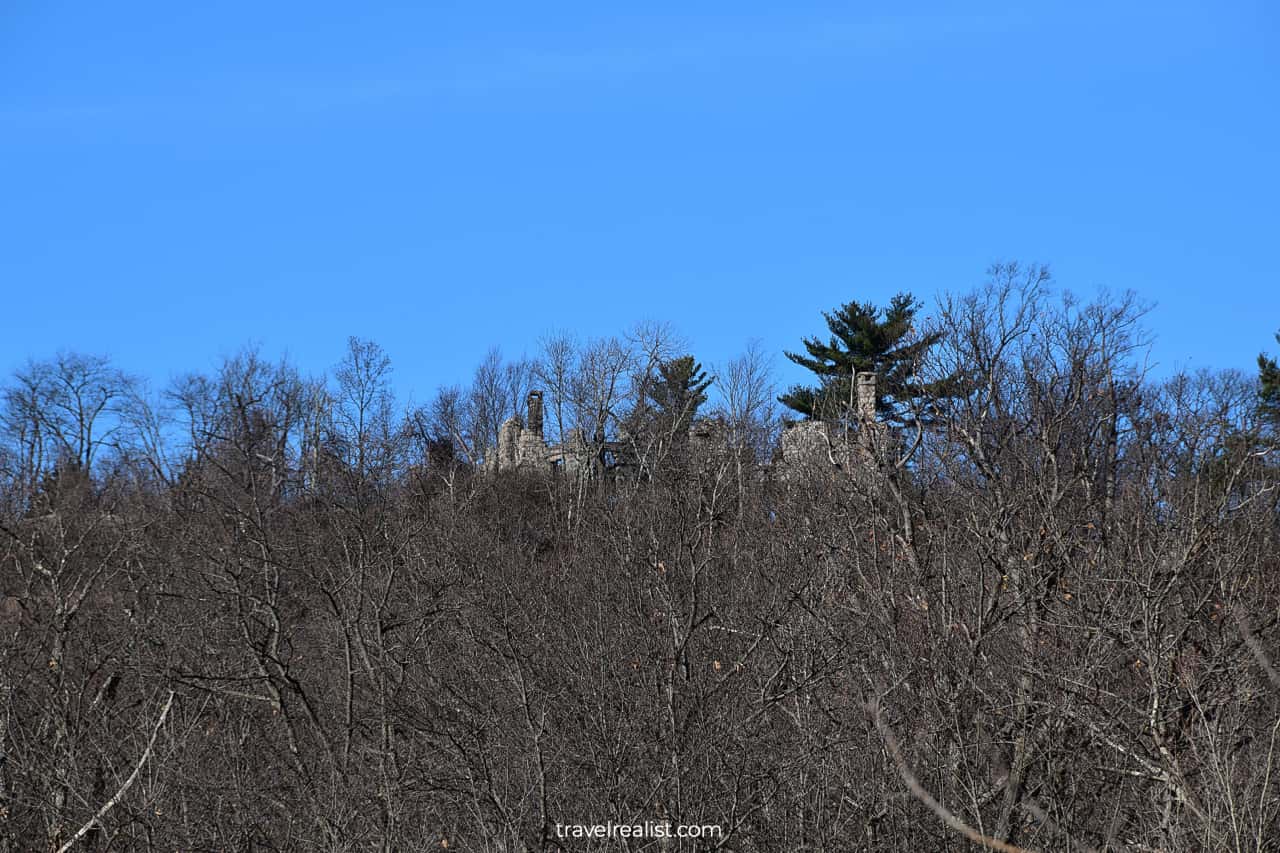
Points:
(866, 397)
(535, 413)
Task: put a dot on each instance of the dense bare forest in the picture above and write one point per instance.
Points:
(1036, 609)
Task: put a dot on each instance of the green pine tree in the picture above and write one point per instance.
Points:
(864, 338)
(677, 393)
(1269, 393)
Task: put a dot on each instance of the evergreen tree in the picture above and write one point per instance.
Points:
(677, 393)
(1269, 393)
(864, 338)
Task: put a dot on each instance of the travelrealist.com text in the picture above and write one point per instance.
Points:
(647, 829)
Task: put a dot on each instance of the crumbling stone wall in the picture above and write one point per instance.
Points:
(815, 447)
(509, 436)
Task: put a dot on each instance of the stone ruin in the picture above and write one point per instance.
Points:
(808, 448)
(523, 447)
(818, 447)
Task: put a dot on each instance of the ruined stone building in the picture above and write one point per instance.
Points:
(811, 447)
(522, 447)
(807, 447)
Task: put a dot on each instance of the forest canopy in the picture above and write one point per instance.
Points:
(1036, 608)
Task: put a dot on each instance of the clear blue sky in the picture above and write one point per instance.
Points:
(178, 179)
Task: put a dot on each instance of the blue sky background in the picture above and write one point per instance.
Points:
(179, 179)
